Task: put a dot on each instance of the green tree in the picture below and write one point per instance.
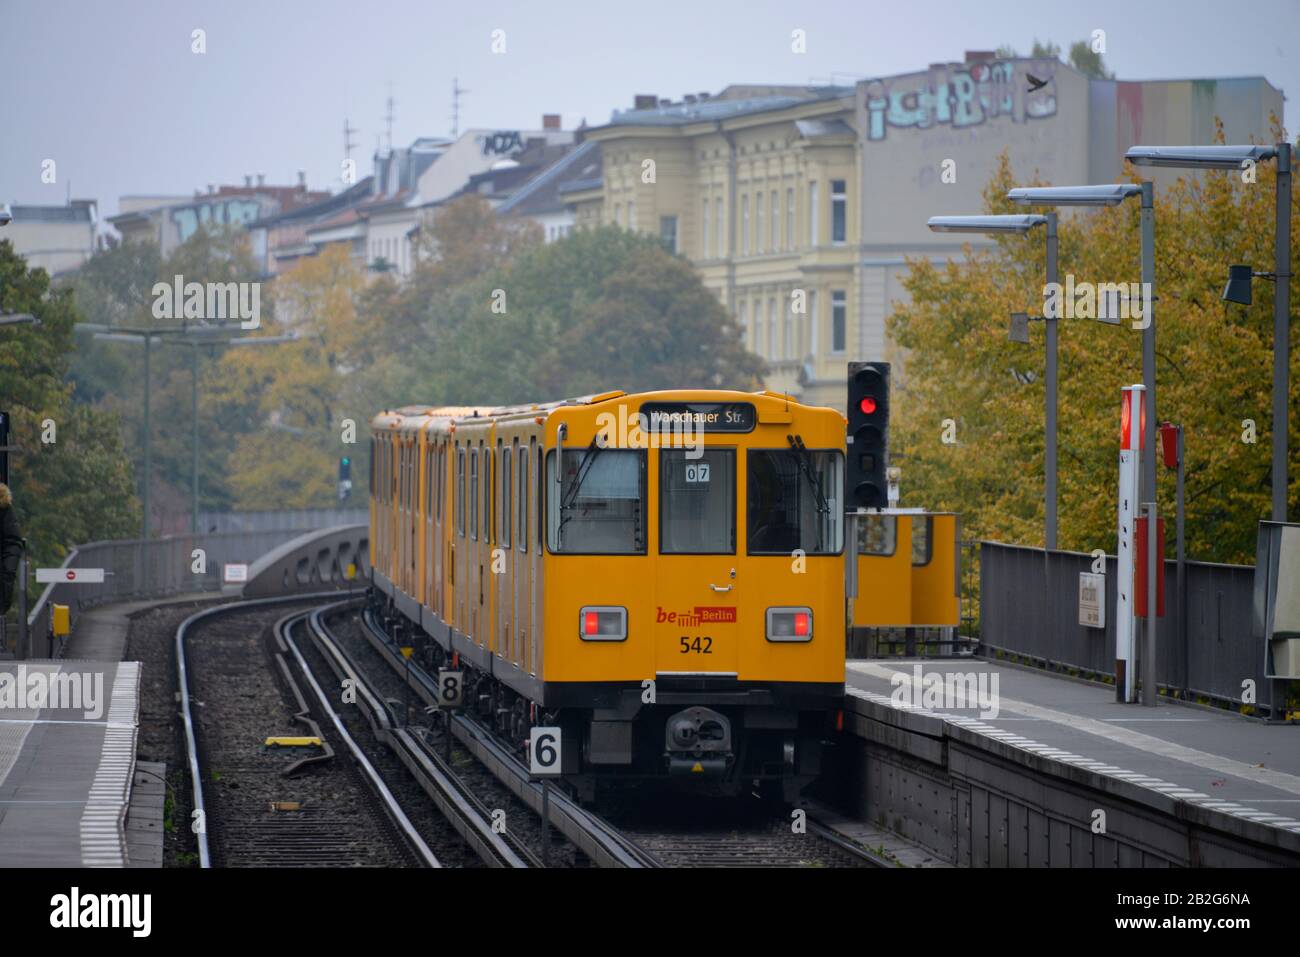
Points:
(77, 487)
(1212, 366)
(1088, 61)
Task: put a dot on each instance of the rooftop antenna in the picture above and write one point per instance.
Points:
(388, 117)
(348, 144)
(457, 91)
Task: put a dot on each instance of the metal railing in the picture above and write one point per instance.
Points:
(1029, 602)
(137, 569)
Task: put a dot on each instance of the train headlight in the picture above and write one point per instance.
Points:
(602, 623)
(789, 624)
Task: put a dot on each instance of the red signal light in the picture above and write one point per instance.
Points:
(591, 623)
(867, 405)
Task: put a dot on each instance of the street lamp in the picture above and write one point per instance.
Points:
(1020, 224)
(1238, 288)
(1112, 194)
(192, 336)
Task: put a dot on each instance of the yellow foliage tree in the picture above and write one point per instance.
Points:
(299, 390)
(1213, 372)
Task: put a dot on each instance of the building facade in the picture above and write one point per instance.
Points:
(57, 239)
(800, 206)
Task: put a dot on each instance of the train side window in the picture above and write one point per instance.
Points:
(460, 491)
(486, 455)
(523, 499)
(507, 498)
(539, 505)
(442, 480)
(922, 548)
(878, 535)
(473, 494)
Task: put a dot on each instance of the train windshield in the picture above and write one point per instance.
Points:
(697, 502)
(599, 509)
(795, 501)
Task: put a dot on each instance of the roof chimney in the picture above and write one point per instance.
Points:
(248, 180)
(261, 179)
(550, 121)
(302, 179)
(645, 101)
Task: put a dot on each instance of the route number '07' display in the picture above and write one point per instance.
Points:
(544, 752)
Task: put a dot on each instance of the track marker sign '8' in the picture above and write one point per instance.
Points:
(449, 687)
(544, 752)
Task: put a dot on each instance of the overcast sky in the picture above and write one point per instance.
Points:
(113, 93)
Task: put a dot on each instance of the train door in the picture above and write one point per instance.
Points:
(521, 583)
(698, 587)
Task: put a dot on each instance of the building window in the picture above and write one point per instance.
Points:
(812, 214)
(631, 215)
(787, 335)
(720, 232)
(744, 225)
(789, 218)
(839, 316)
(704, 231)
(839, 212)
(618, 214)
(775, 210)
(813, 326)
(668, 232)
(758, 222)
(771, 328)
(743, 318)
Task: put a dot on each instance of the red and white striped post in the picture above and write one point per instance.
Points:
(1132, 428)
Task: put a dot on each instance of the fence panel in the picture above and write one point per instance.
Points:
(1029, 601)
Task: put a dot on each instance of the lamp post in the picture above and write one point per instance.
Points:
(194, 337)
(1020, 225)
(1242, 157)
(1112, 194)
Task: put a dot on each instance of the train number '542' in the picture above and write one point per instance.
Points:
(700, 645)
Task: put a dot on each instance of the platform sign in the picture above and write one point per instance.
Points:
(1092, 600)
(544, 756)
(234, 573)
(1132, 414)
(76, 576)
(449, 689)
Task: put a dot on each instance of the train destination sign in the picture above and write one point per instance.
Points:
(704, 416)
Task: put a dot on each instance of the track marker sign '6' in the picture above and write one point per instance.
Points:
(449, 686)
(544, 752)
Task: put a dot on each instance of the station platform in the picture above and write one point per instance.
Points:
(1183, 763)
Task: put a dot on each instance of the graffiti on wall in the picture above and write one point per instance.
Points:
(219, 212)
(501, 144)
(961, 98)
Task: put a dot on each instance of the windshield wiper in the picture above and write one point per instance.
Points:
(584, 469)
(804, 458)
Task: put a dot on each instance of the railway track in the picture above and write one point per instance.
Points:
(454, 798)
(260, 806)
(758, 840)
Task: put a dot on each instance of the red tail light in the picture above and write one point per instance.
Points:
(839, 720)
(801, 622)
(591, 623)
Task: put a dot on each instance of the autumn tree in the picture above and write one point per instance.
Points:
(964, 381)
(71, 478)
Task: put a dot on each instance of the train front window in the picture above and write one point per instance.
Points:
(697, 502)
(599, 509)
(795, 501)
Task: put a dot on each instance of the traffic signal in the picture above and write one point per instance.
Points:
(868, 449)
(345, 477)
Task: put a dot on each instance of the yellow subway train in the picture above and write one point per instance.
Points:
(659, 574)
